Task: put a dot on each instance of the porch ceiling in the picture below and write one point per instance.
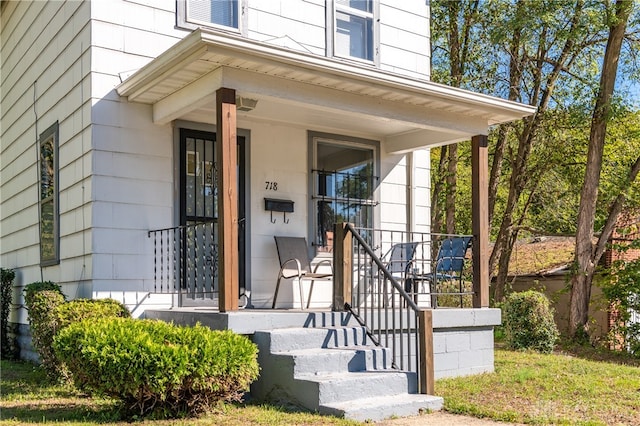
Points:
(317, 92)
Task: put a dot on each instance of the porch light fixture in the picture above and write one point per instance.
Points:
(245, 104)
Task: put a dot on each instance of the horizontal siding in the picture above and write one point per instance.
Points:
(44, 58)
(302, 22)
(404, 38)
(133, 175)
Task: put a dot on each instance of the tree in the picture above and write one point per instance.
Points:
(588, 254)
(454, 24)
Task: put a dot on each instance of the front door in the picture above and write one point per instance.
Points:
(199, 216)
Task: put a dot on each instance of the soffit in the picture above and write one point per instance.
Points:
(301, 88)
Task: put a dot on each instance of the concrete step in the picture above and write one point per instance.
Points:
(382, 407)
(322, 389)
(335, 360)
(296, 338)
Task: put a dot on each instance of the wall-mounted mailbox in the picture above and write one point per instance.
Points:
(276, 205)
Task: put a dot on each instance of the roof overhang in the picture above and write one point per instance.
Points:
(305, 89)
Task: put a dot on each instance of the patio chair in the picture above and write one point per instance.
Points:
(450, 263)
(400, 262)
(294, 263)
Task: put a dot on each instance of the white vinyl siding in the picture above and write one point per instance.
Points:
(45, 68)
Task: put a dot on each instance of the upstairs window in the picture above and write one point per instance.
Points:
(211, 13)
(49, 213)
(353, 28)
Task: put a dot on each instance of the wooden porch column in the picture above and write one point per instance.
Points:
(226, 152)
(480, 220)
(425, 342)
(342, 267)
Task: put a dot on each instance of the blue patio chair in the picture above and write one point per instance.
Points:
(400, 262)
(294, 260)
(450, 263)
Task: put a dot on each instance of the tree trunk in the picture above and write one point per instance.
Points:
(452, 183)
(586, 256)
(541, 94)
(438, 187)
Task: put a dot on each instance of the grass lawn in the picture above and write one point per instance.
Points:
(562, 388)
(576, 386)
(27, 398)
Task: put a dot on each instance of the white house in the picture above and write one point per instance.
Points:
(125, 117)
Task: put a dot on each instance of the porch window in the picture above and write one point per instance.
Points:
(49, 210)
(343, 180)
(353, 29)
(211, 13)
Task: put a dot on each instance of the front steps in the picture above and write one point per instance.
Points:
(335, 370)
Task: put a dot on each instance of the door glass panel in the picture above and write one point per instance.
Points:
(200, 180)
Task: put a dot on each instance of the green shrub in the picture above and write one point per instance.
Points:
(528, 322)
(6, 289)
(81, 309)
(41, 300)
(157, 368)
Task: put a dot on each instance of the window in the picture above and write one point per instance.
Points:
(49, 213)
(353, 28)
(343, 181)
(216, 13)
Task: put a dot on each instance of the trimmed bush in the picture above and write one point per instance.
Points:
(6, 289)
(41, 300)
(157, 368)
(81, 309)
(528, 322)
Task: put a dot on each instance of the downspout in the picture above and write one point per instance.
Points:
(38, 176)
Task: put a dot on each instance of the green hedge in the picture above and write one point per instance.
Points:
(41, 299)
(49, 313)
(6, 290)
(80, 309)
(529, 323)
(158, 368)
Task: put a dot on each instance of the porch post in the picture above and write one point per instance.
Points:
(425, 342)
(480, 220)
(226, 152)
(342, 267)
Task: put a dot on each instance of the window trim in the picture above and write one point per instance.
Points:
(182, 20)
(50, 133)
(331, 15)
(313, 139)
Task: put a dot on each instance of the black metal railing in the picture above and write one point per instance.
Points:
(395, 278)
(185, 260)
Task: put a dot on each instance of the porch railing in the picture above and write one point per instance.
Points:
(387, 299)
(185, 260)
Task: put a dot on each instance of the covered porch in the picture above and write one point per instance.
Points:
(235, 83)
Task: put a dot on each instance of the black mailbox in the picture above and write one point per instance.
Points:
(275, 205)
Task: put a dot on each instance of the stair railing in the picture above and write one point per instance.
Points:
(365, 286)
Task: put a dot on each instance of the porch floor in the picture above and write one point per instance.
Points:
(247, 321)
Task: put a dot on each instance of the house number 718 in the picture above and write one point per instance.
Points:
(271, 186)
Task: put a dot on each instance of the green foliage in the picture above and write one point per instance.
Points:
(155, 368)
(41, 300)
(6, 288)
(621, 288)
(81, 309)
(49, 313)
(528, 322)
